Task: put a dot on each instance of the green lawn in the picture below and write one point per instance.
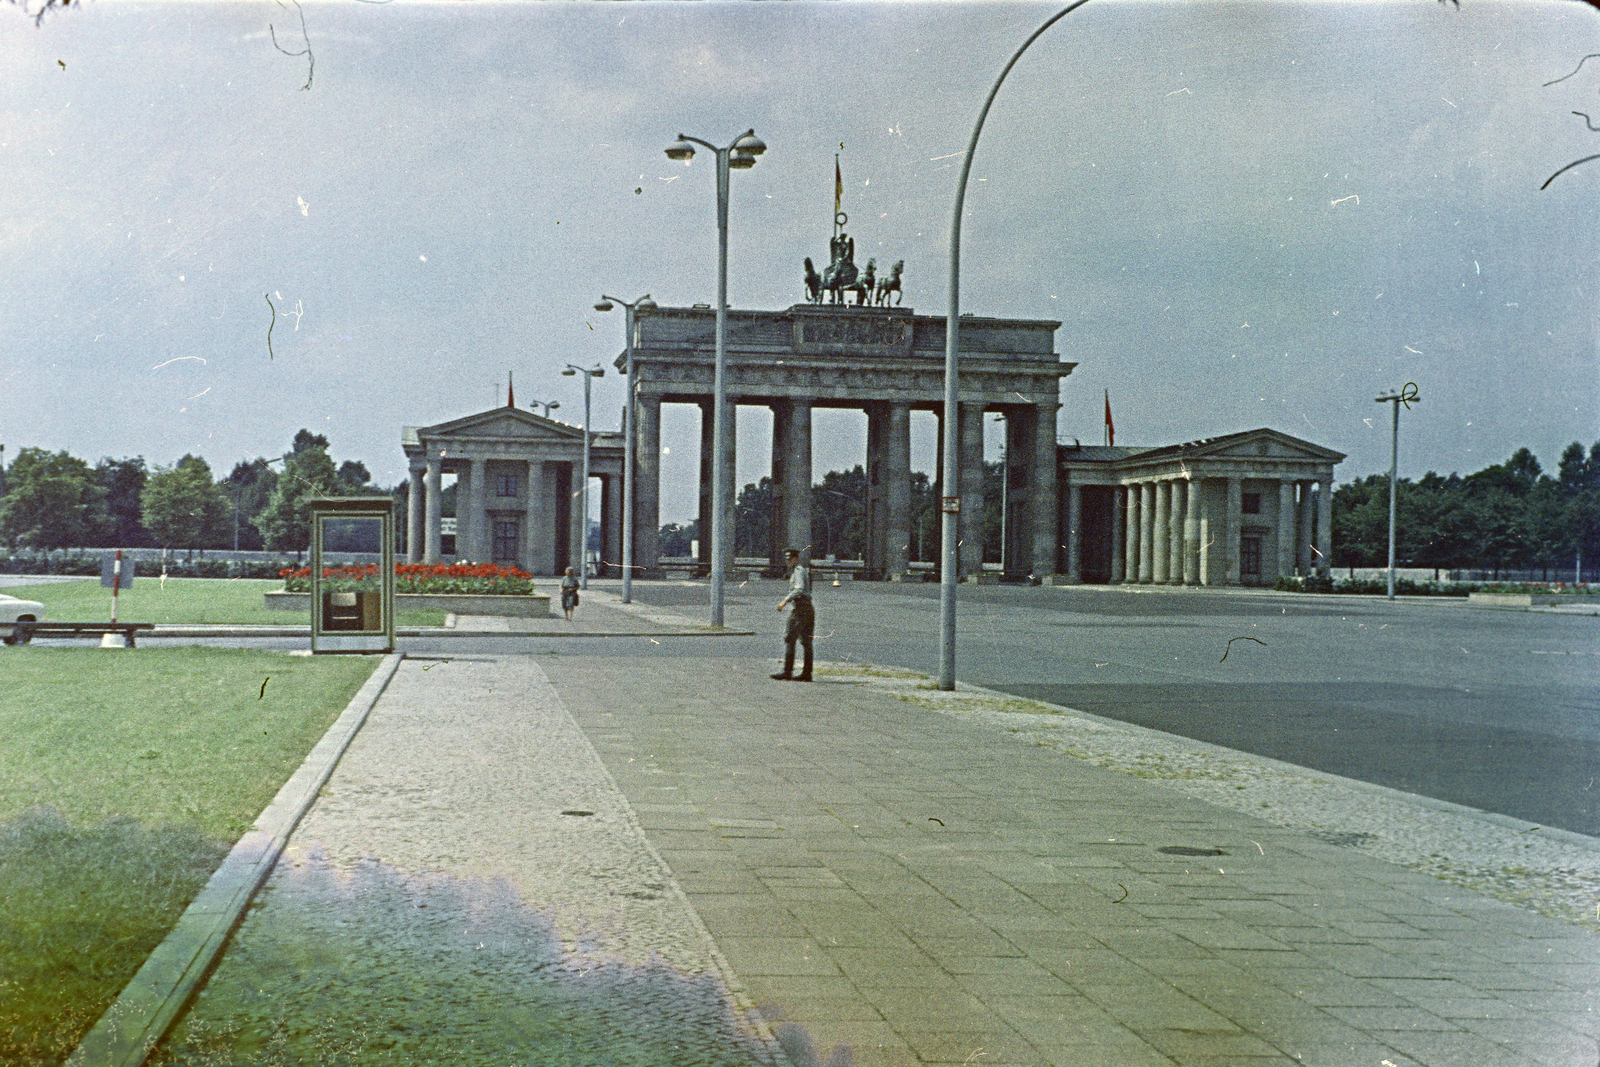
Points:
(203, 601)
(125, 777)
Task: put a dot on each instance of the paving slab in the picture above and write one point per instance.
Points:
(471, 887)
(1002, 902)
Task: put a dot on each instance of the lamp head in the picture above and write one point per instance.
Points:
(604, 305)
(683, 150)
(741, 160)
(568, 373)
(750, 144)
(645, 302)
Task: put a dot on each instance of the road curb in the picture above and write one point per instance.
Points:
(693, 630)
(148, 1006)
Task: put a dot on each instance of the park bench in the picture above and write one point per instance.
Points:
(23, 632)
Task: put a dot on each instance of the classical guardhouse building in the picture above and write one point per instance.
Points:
(1239, 509)
(517, 477)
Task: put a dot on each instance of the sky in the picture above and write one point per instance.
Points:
(1242, 215)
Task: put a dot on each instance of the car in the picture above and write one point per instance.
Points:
(14, 609)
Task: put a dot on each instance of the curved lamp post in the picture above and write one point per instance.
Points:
(547, 405)
(589, 375)
(740, 155)
(629, 435)
(951, 505)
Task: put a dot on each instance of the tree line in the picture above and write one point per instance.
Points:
(1509, 516)
(54, 500)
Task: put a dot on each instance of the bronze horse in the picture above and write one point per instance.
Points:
(889, 283)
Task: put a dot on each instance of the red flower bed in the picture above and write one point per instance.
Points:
(468, 578)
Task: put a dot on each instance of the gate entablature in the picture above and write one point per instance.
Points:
(838, 356)
(886, 361)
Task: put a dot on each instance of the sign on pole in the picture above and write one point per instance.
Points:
(110, 577)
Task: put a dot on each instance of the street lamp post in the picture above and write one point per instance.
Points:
(629, 436)
(1406, 396)
(740, 155)
(589, 375)
(548, 405)
(950, 507)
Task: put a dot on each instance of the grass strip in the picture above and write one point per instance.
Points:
(124, 779)
(194, 601)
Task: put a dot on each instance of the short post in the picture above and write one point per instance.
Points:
(116, 573)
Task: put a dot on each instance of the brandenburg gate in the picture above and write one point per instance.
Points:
(885, 361)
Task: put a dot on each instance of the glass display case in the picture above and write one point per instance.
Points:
(352, 574)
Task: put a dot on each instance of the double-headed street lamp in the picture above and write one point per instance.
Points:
(630, 412)
(740, 155)
(546, 404)
(589, 374)
(1406, 396)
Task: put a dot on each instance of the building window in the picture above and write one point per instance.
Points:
(1252, 503)
(505, 542)
(505, 485)
(1250, 556)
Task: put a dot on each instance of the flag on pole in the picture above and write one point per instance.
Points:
(511, 393)
(838, 187)
(1111, 430)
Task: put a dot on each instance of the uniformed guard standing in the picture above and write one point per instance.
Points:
(802, 617)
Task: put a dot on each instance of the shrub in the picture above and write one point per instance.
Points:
(469, 578)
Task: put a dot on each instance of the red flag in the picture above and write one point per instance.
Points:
(1111, 430)
(511, 394)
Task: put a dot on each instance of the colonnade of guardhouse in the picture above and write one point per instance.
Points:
(1239, 509)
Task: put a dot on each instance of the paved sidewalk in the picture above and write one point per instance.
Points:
(469, 888)
(482, 880)
(929, 890)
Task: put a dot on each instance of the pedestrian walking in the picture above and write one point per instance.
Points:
(569, 594)
(802, 616)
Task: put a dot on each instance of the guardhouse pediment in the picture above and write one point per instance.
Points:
(1253, 445)
(508, 423)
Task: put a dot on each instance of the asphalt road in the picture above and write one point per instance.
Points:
(1496, 710)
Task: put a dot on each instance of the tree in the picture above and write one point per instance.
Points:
(753, 520)
(676, 540)
(1578, 491)
(1361, 522)
(52, 501)
(285, 522)
(838, 515)
(183, 508)
(122, 482)
(305, 440)
(248, 487)
(353, 478)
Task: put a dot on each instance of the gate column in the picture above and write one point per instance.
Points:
(432, 518)
(797, 477)
(1044, 504)
(897, 490)
(970, 481)
(647, 489)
